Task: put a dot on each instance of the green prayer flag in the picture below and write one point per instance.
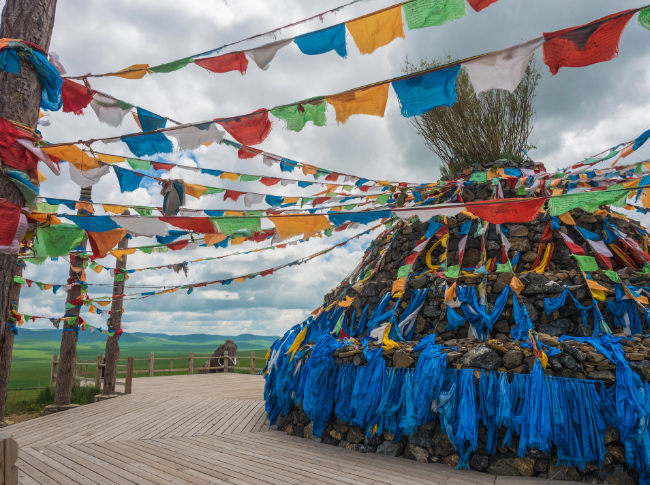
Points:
(589, 201)
(638, 168)
(143, 211)
(306, 200)
(382, 199)
(231, 143)
(586, 263)
(337, 329)
(404, 271)
(147, 250)
(321, 172)
(249, 178)
(20, 280)
(69, 306)
(39, 284)
(644, 18)
(350, 207)
(171, 66)
(478, 177)
(328, 232)
(162, 249)
(612, 275)
(504, 268)
(521, 191)
(213, 190)
(139, 164)
(453, 271)
(230, 225)
(27, 318)
(611, 154)
(348, 188)
(430, 13)
(36, 261)
(119, 277)
(45, 207)
(296, 116)
(59, 240)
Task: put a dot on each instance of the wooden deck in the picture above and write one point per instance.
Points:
(201, 430)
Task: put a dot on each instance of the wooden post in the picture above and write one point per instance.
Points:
(225, 362)
(151, 361)
(252, 363)
(98, 371)
(53, 373)
(8, 457)
(171, 364)
(128, 386)
(115, 323)
(191, 363)
(20, 98)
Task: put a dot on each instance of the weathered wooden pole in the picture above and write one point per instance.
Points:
(115, 323)
(68, 353)
(20, 98)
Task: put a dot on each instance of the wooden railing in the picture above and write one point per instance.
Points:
(91, 370)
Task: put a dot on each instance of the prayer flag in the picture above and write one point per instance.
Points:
(129, 181)
(9, 219)
(235, 61)
(419, 94)
(202, 225)
(251, 129)
(589, 201)
(150, 121)
(296, 116)
(192, 137)
(59, 240)
(142, 226)
(586, 263)
(287, 227)
(585, 45)
(322, 41)
(368, 101)
(479, 5)
(136, 71)
(150, 144)
(75, 97)
(644, 18)
(430, 13)
(521, 210)
(502, 69)
(73, 155)
(230, 225)
(119, 253)
(102, 242)
(573, 247)
(377, 29)
(110, 111)
(262, 56)
(171, 66)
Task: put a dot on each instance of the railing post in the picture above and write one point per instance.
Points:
(128, 385)
(252, 363)
(98, 371)
(225, 362)
(151, 361)
(191, 363)
(8, 456)
(53, 373)
(171, 364)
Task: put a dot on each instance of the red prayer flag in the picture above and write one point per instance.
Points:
(250, 129)
(245, 153)
(411, 259)
(518, 210)
(319, 200)
(232, 195)
(75, 97)
(268, 181)
(342, 334)
(587, 44)
(8, 133)
(333, 177)
(266, 272)
(178, 245)
(479, 5)
(162, 166)
(202, 225)
(9, 219)
(235, 61)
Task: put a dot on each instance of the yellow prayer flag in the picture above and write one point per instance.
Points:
(240, 280)
(631, 183)
(558, 191)
(98, 269)
(645, 198)
(450, 294)
(45, 218)
(594, 285)
(294, 225)
(195, 190)
(377, 29)
(291, 200)
(41, 177)
(92, 309)
(348, 301)
(74, 155)
(103, 303)
(118, 253)
(516, 284)
(310, 169)
(370, 101)
(229, 176)
(114, 209)
(110, 158)
(641, 299)
(567, 219)
(398, 285)
(136, 71)
(233, 213)
(387, 343)
(47, 286)
(237, 241)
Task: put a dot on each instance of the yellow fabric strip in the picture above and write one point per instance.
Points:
(297, 343)
(348, 301)
(567, 219)
(229, 176)
(387, 343)
(118, 253)
(195, 190)
(139, 71)
(110, 158)
(377, 30)
(74, 155)
(114, 209)
(292, 226)
(429, 252)
(398, 285)
(370, 101)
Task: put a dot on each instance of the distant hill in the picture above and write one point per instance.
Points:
(243, 341)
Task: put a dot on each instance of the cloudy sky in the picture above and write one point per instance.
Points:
(580, 112)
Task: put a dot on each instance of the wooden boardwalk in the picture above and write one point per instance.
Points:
(201, 430)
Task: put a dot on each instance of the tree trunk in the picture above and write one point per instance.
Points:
(115, 322)
(65, 375)
(20, 97)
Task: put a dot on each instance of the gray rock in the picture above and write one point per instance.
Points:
(503, 280)
(536, 285)
(529, 257)
(373, 441)
(517, 230)
(431, 311)
(513, 358)
(569, 362)
(481, 358)
(502, 326)
(390, 448)
(519, 244)
(607, 376)
(574, 352)
(341, 426)
(562, 472)
(616, 474)
(611, 435)
(442, 445)
(561, 255)
(359, 359)
(355, 435)
(417, 283)
(401, 360)
(416, 453)
(422, 441)
(503, 465)
(641, 367)
(479, 462)
(541, 465)
(556, 328)
(328, 440)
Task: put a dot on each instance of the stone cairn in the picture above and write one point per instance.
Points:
(216, 360)
(499, 353)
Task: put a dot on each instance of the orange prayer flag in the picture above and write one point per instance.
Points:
(136, 71)
(294, 225)
(195, 190)
(516, 284)
(450, 294)
(229, 176)
(98, 269)
(567, 219)
(137, 120)
(102, 242)
(74, 155)
(370, 101)
(41, 177)
(44, 218)
(114, 209)
(212, 239)
(103, 303)
(240, 280)
(309, 169)
(291, 200)
(87, 206)
(626, 151)
(236, 241)
(233, 213)
(348, 301)
(377, 29)
(118, 253)
(398, 285)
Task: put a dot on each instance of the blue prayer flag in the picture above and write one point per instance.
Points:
(172, 236)
(152, 144)
(287, 165)
(322, 41)
(274, 200)
(94, 223)
(338, 218)
(641, 139)
(129, 181)
(214, 213)
(305, 184)
(150, 121)
(433, 228)
(419, 94)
